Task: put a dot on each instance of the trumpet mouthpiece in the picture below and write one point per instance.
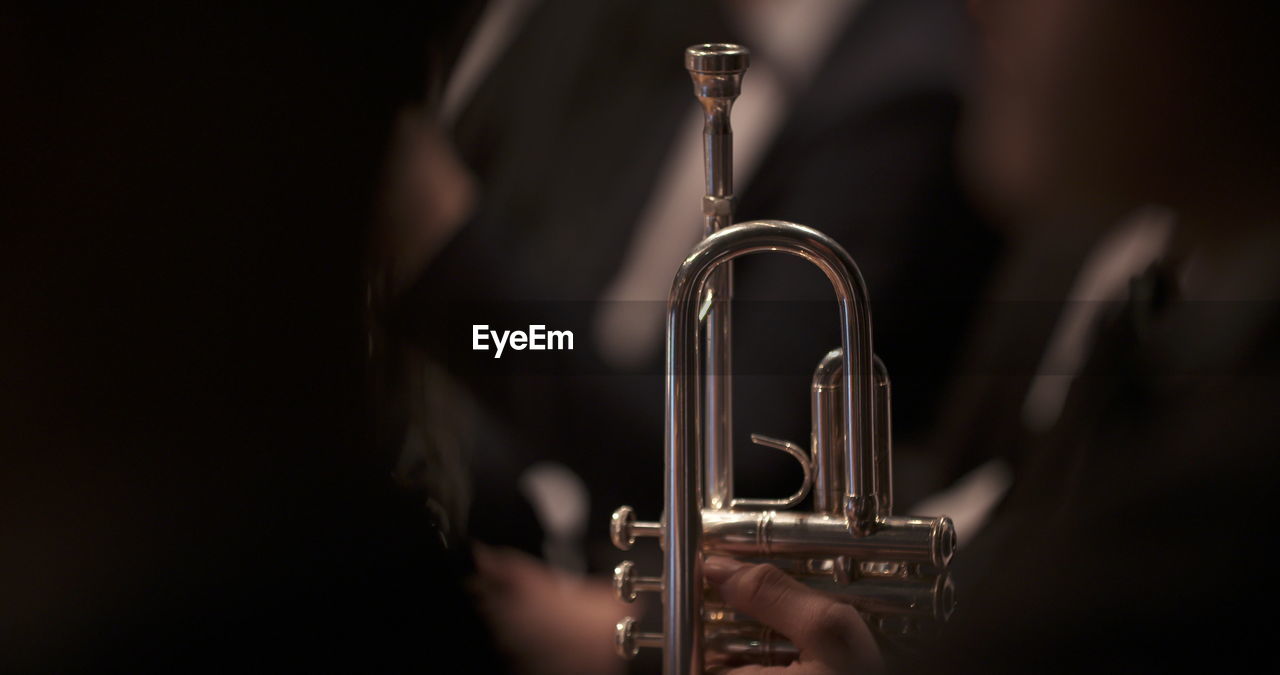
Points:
(717, 59)
(717, 71)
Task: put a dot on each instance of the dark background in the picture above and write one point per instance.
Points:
(187, 482)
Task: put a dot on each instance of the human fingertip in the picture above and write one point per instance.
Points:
(718, 568)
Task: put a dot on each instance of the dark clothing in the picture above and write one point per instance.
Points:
(188, 484)
(567, 138)
(1136, 534)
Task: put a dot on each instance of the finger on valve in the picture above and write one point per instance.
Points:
(830, 634)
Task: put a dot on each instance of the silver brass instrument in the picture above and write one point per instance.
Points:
(892, 568)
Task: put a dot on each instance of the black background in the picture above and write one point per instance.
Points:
(187, 482)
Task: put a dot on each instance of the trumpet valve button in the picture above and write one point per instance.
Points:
(627, 584)
(625, 639)
(624, 528)
(621, 528)
(624, 581)
(628, 641)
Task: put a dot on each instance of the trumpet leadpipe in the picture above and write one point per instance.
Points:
(716, 71)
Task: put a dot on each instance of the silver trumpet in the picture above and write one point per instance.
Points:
(891, 568)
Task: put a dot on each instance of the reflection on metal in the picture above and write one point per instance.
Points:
(892, 568)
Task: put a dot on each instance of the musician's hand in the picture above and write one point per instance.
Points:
(831, 636)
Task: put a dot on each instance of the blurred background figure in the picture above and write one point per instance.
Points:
(188, 483)
(571, 195)
(1136, 422)
(555, 179)
(195, 478)
(1121, 393)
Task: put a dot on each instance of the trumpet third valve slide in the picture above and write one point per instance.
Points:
(891, 568)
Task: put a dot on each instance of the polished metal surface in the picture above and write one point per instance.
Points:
(925, 596)
(628, 641)
(731, 642)
(624, 528)
(762, 535)
(884, 439)
(806, 482)
(791, 534)
(716, 71)
(850, 545)
(682, 606)
(627, 585)
(826, 427)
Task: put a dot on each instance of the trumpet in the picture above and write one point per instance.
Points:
(893, 569)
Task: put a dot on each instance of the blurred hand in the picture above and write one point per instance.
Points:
(548, 621)
(831, 635)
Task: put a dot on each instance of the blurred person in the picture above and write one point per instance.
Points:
(1134, 532)
(557, 182)
(188, 482)
(556, 179)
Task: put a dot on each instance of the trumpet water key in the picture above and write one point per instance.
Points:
(850, 545)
